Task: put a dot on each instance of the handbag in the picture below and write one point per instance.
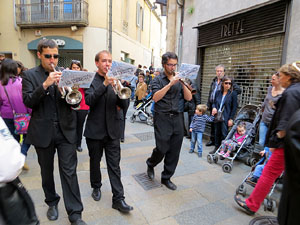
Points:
(21, 120)
(219, 116)
(16, 204)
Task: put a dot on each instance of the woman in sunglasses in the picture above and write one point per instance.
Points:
(286, 106)
(226, 103)
(82, 112)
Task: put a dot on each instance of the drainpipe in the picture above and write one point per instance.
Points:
(110, 27)
(15, 22)
(181, 5)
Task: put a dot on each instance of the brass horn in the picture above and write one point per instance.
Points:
(74, 96)
(121, 91)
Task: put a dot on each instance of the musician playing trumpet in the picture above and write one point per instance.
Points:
(52, 128)
(102, 131)
(168, 120)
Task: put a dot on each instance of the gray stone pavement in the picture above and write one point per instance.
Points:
(204, 194)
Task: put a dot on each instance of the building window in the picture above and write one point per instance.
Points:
(139, 16)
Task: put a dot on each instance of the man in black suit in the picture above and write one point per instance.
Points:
(52, 127)
(102, 131)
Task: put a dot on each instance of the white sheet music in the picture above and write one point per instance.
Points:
(189, 71)
(70, 78)
(122, 70)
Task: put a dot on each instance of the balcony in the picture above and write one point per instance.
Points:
(55, 13)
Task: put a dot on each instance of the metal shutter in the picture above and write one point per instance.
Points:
(251, 64)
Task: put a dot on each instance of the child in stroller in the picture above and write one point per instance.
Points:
(229, 145)
(266, 154)
(142, 110)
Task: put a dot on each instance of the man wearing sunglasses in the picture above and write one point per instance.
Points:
(168, 120)
(53, 128)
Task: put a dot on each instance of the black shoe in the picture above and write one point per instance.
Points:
(96, 194)
(78, 222)
(52, 213)
(150, 172)
(213, 151)
(210, 143)
(79, 149)
(122, 206)
(169, 184)
(122, 140)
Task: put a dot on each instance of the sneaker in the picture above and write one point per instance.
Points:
(191, 151)
(226, 155)
(200, 154)
(221, 153)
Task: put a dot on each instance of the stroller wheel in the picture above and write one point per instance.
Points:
(247, 161)
(215, 158)
(227, 167)
(252, 161)
(132, 119)
(149, 121)
(210, 158)
(241, 190)
(269, 205)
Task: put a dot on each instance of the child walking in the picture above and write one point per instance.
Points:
(197, 127)
(237, 139)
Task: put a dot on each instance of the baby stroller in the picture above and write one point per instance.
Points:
(142, 111)
(269, 202)
(250, 114)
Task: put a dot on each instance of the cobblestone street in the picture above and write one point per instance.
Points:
(204, 194)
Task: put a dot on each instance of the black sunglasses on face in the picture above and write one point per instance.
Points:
(48, 56)
(227, 83)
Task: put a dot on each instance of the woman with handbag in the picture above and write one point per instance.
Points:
(224, 109)
(11, 101)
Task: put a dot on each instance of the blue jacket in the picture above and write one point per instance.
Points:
(230, 104)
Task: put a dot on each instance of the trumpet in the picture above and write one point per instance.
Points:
(192, 90)
(121, 91)
(185, 83)
(73, 97)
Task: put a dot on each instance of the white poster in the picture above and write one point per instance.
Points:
(69, 78)
(189, 71)
(121, 70)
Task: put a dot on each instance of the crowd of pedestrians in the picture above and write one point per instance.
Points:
(55, 126)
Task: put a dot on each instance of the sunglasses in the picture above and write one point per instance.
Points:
(75, 61)
(48, 56)
(229, 83)
(173, 65)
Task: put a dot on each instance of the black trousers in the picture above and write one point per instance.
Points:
(81, 115)
(221, 131)
(168, 130)
(113, 157)
(67, 163)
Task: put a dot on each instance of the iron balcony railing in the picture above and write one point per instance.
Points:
(55, 13)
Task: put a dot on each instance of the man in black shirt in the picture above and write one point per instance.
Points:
(102, 131)
(168, 120)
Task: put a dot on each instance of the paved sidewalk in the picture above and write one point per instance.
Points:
(204, 194)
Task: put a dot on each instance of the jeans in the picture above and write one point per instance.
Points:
(271, 172)
(263, 129)
(196, 136)
(132, 92)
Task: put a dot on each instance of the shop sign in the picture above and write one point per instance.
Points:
(232, 28)
(59, 42)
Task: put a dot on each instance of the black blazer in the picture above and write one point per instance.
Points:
(40, 130)
(288, 213)
(103, 118)
(230, 104)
